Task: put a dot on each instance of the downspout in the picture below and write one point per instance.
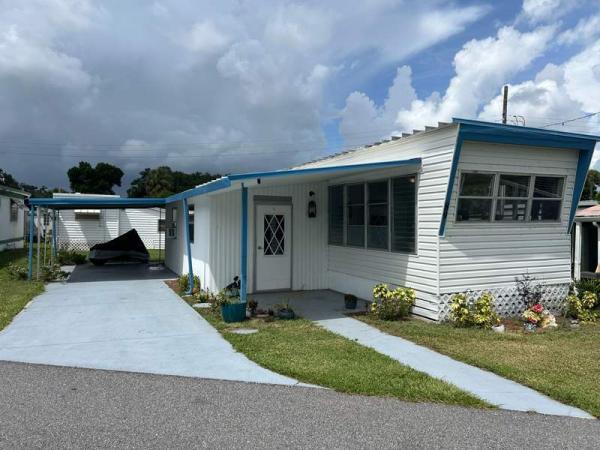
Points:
(30, 250)
(186, 221)
(577, 257)
(244, 246)
(54, 231)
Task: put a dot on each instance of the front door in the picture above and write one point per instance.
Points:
(273, 247)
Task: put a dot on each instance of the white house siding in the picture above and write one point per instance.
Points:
(489, 256)
(145, 221)
(81, 234)
(11, 229)
(358, 270)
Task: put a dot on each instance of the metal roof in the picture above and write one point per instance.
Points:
(231, 181)
(96, 203)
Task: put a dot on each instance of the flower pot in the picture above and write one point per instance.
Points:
(234, 312)
(286, 314)
(350, 301)
(498, 328)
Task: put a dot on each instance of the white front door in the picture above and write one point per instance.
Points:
(273, 247)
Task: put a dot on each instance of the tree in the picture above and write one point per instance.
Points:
(163, 181)
(6, 179)
(94, 180)
(592, 182)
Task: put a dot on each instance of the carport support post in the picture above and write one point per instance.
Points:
(244, 246)
(186, 220)
(54, 231)
(30, 249)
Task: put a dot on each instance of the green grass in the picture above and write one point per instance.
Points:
(14, 295)
(311, 354)
(563, 364)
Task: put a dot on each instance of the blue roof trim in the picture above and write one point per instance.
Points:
(225, 182)
(211, 186)
(473, 130)
(104, 203)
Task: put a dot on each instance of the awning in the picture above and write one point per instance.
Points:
(87, 204)
(313, 174)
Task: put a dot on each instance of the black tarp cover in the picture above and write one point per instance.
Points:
(128, 245)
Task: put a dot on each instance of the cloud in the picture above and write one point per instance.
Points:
(585, 31)
(218, 86)
(547, 10)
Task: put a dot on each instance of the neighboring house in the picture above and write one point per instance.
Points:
(80, 229)
(12, 217)
(586, 259)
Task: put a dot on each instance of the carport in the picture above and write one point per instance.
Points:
(51, 206)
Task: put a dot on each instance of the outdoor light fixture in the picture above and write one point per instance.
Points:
(312, 206)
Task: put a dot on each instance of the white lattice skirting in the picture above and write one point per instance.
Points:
(508, 303)
(86, 245)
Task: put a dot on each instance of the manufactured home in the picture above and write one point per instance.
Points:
(464, 206)
(80, 229)
(12, 218)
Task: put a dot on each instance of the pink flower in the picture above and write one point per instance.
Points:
(537, 308)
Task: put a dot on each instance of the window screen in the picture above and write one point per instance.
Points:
(377, 225)
(355, 233)
(336, 215)
(403, 213)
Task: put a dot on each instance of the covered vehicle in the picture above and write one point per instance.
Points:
(127, 247)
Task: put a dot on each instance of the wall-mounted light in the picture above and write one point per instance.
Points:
(312, 206)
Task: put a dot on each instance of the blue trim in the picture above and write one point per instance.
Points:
(451, 178)
(244, 246)
(104, 203)
(473, 130)
(30, 249)
(54, 249)
(583, 165)
(188, 245)
(519, 129)
(225, 182)
(211, 186)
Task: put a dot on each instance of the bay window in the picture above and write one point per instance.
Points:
(498, 197)
(378, 215)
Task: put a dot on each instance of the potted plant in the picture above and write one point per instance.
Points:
(350, 301)
(285, 312)
(232, 310)
(252, 305)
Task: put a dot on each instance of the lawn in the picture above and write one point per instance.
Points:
(563, 363)
(14, 294)
(311, 354)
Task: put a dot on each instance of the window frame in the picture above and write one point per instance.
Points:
(365, 183)
(495, 197)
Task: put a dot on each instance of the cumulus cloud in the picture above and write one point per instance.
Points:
(218, 86)
(547, 10)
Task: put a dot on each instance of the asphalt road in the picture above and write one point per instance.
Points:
(55, 407)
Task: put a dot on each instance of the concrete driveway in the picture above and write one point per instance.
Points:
(132, 324)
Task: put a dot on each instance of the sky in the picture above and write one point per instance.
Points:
(235, 85)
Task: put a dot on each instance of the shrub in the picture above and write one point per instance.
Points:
(184, 283)
(580, 307)
(587, 285)
(17, 271)
(392, 304)
(528, 290)
(478, 313)
(53, 273)
(71, 257)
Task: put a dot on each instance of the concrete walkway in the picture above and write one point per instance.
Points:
(130, 325)
(326, 309)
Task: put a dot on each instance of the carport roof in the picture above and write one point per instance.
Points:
(96, 203)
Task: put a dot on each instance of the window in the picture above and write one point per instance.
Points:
(355, 215)
(509, 198)
(404, 202)
(377, 215)
(191, 222)
(161, 225)
(475, 197)
(336, 215)
(513, 191)
(547, 198)
(14, 210)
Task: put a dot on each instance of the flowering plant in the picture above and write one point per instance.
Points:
(392, 304)
(539, 316)
(465, 312)
(581, 307)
